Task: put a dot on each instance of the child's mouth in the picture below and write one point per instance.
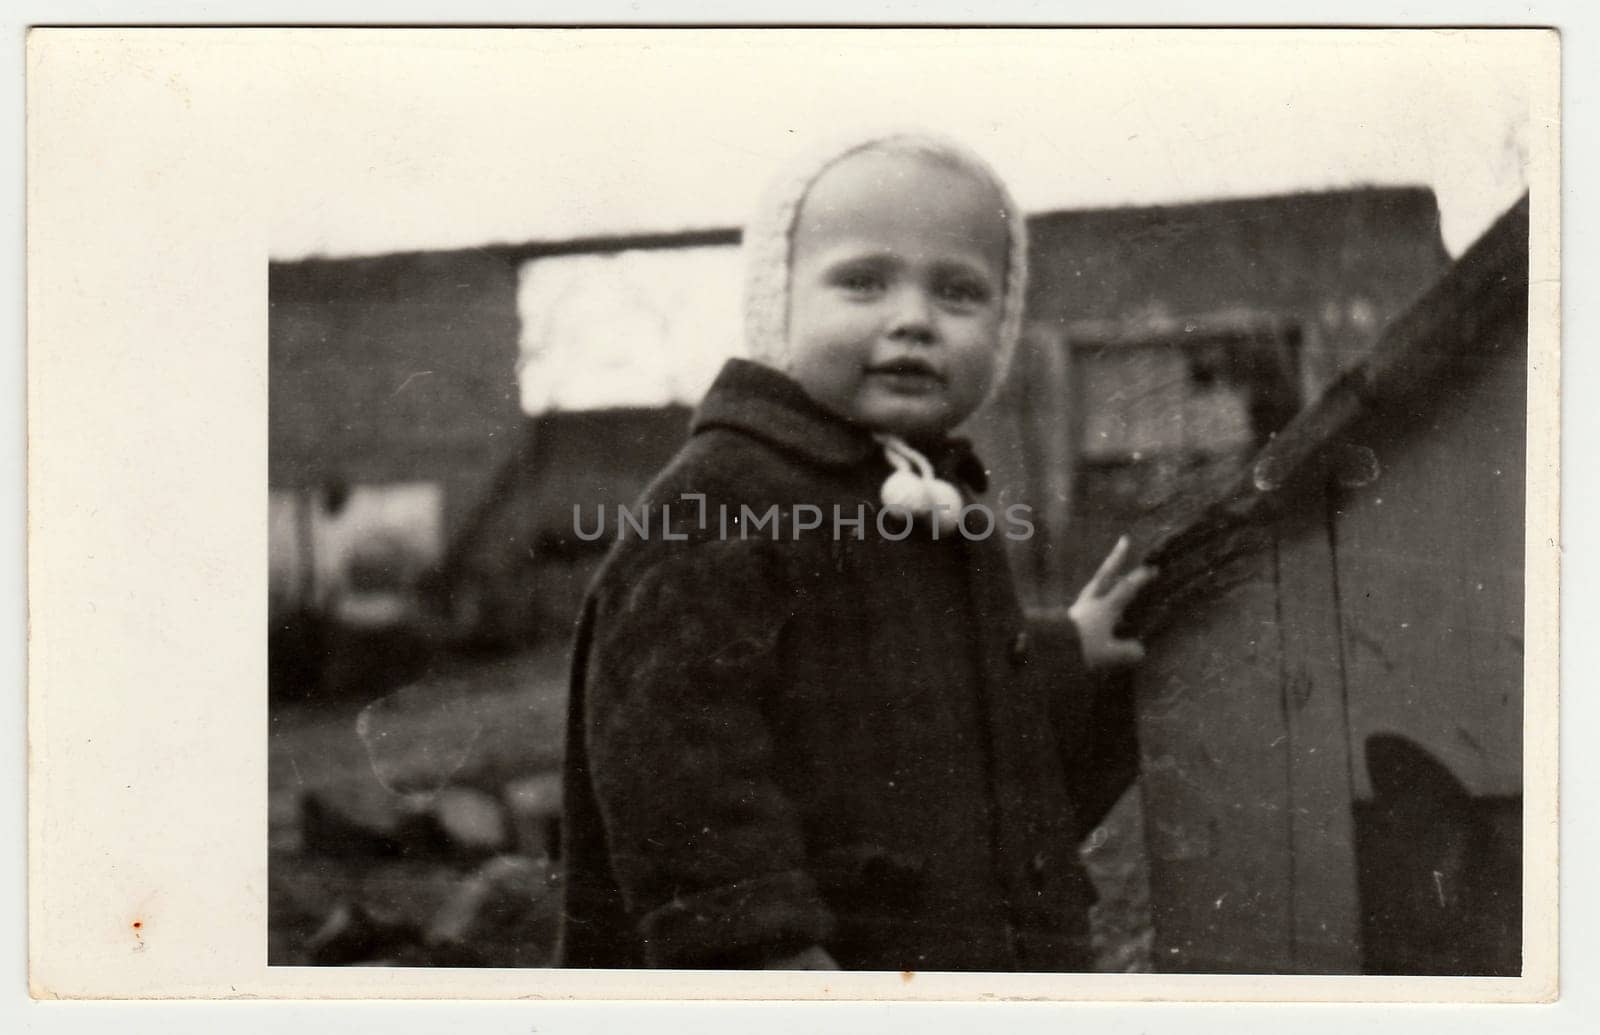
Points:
(909, 373)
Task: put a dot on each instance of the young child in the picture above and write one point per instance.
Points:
(832, 738)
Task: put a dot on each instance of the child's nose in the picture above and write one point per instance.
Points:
(912, 315)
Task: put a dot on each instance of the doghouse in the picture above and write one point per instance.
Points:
(1331, 710)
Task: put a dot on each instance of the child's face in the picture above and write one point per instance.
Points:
(897, 278)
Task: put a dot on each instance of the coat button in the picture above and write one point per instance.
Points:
(1019, 648)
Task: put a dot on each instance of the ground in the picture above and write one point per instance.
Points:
(385, 846)
(468, 726)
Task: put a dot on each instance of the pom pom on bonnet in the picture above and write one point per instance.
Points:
(768, 240)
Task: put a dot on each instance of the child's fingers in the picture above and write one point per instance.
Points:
(1120, 654)
(1130, 585)
(1108, 567)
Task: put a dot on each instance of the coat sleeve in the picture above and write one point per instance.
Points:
(705, 846)
(1094, 717)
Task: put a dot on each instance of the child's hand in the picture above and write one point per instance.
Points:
(1099, 608)
(813, 957)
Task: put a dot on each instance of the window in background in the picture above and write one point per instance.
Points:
(635, 328)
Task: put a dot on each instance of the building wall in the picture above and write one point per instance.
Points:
(401, 369)
(395, 369)
(518, 571)
(394, 376)
(1341, 264)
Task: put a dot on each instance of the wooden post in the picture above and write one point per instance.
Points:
(1246, 767)
(1324, 937)
(1025, 436)
(1215, 776)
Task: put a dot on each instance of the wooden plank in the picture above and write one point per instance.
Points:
(1430, 562)
(1246, 768)
(1326, 911)
(1049, 417)
(1431, 573)
(1215, 781)
(1452, 324)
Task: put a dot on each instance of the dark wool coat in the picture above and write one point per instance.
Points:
(857, 743)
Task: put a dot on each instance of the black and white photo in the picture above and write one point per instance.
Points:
(1049, 511)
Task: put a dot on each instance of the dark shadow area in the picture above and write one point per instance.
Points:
(1439, 870)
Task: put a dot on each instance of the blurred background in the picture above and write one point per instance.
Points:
(491, 306)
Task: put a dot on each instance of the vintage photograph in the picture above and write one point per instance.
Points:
(920, 501)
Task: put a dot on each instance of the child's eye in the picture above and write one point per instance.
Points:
(859, 281)
(964, 292)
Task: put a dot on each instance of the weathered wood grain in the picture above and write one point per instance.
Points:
(1325, 936)
(1288, 625)
(1216, 766)
(1431, 572)
(1450, 324)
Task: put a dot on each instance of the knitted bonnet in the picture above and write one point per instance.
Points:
(768, 241)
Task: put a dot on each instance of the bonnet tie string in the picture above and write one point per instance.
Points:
(914, 486)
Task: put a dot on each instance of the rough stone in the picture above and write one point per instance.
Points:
(535, 806)
(504, 914)
(422, 737)
(352, 820)
(470, 823)
(362, 820)
(355, 934)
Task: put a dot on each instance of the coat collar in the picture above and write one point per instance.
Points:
(766, 404)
